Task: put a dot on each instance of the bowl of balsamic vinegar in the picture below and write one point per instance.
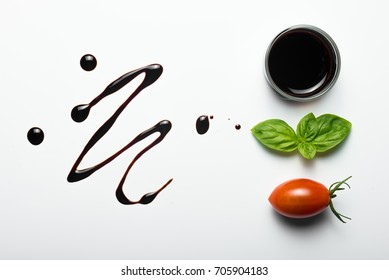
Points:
(302, 63)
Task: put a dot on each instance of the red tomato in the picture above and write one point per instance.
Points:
(303, 198)
(300, 198)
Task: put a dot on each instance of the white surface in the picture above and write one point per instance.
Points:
(212, 53)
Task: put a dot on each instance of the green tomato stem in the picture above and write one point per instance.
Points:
(337, 187)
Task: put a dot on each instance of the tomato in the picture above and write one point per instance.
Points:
(303, 198)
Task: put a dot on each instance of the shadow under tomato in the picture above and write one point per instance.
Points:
(303, 223)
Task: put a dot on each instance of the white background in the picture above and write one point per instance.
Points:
(216, 207)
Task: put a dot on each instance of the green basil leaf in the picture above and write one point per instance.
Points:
(276, 134)
(332, 130)
(307, 150)
(307, 128)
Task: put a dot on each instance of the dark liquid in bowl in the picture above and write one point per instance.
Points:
(301, 62)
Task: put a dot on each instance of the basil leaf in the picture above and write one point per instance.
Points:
(307, 150)
(332, 130)
(276, 134)
(307, 128)
(313, 134)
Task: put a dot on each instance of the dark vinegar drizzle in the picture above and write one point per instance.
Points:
(81, 112)
(202, 124)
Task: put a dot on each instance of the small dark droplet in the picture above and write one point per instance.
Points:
(237, 127)
(148, 198)
(88, 62)
(80, 112)
(202, 124)
(211, 117)
(35, 135)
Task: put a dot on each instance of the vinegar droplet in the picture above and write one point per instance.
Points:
(202, 124)
(80, 112)
(35, 135)
(88, 62)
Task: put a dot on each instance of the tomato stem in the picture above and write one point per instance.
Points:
(337, 187)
